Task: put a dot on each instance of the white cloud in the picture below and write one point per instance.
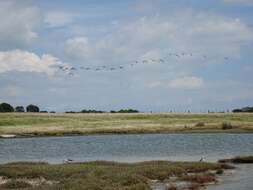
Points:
(18, 22)
(58, 18)
(78, 48)
(186, 83)
(24, 61)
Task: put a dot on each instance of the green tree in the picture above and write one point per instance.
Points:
(5, 107)
(32, 108)
(19, 109)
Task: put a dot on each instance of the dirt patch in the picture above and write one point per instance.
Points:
(3, 180)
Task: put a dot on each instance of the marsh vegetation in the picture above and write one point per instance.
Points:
(106, 175)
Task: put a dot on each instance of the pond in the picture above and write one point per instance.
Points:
(127, 148)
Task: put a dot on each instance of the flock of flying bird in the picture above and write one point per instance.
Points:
(71, 71)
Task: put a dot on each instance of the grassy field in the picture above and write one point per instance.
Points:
(101, 175)
(40, 124)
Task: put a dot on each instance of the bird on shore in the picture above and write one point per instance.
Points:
(202, 159)
(67, 161)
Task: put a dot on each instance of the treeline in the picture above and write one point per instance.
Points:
(125, 111)
(5, 107)
(244, 110)
(112, 111)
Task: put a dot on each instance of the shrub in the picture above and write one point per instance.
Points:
(128, 111)
(92, 111)
(244, 110)
(237, 110)
(5, 107)
(71, 112)
(226, 126)
(19, 109)
(43, 111)
(32, 108)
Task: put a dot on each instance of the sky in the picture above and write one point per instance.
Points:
(175, 55)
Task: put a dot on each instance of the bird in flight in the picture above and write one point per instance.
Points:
(71, 70)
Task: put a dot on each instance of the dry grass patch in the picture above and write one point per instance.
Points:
(39, 124)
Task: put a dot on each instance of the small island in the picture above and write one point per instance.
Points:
(104, 175)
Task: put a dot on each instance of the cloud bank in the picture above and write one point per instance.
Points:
(24, 61)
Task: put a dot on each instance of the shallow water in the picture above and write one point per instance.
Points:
(240, 179)
(127, 148)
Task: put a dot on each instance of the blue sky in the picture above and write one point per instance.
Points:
(214, 39)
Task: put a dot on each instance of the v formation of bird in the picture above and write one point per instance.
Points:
(71, 71)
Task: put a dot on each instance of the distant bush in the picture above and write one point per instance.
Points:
(71, 112)
(237, 110)
(32, 108)
(200, 124)
(238, 160)
(226, 126)
(244, 110)
(43, 111)
(19, 109)
(128, 111)
(5, 107)
(91, 111)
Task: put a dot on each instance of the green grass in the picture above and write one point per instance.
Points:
(101, 175)
(64, 124)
